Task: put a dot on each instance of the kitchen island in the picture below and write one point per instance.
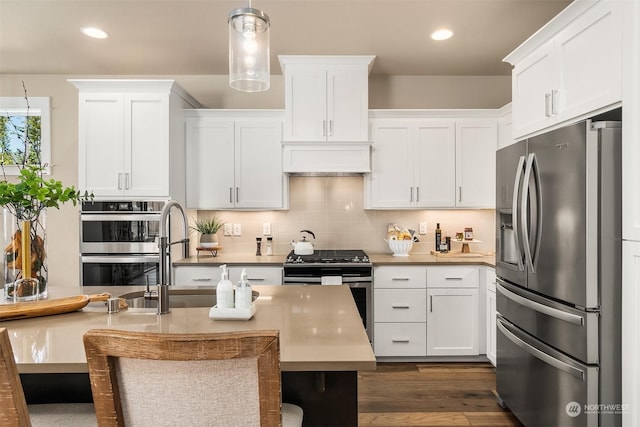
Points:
(322, 343)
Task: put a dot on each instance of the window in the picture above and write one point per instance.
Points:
(17, 120)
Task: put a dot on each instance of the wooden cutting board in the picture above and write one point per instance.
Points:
(23, 310)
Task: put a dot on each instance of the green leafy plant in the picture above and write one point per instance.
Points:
(208, 225)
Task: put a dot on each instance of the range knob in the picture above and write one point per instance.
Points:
(365, 259)
(356, 259)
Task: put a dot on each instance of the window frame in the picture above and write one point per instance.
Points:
(38, 106)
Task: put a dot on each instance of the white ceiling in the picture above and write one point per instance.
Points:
(189, 37)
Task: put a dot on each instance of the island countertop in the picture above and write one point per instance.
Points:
(320, 329)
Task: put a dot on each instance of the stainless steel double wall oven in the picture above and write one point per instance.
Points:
(119, 242)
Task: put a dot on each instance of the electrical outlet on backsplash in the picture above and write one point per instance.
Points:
(332, 207)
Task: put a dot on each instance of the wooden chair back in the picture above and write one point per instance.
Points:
(141, 378)
(13, 406)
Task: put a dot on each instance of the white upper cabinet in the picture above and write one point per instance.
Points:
(569, 68)
(326, 97)
(234, 160)
(432, 163)
(476, 144)
(131, 138)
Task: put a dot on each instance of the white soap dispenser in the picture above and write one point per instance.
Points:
(224, 290)
(243, 291)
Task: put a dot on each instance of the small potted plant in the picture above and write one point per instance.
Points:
(208, 227)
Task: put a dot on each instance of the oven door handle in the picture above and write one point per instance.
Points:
(120, 217)
(120, 259)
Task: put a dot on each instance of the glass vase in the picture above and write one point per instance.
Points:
(16, 286)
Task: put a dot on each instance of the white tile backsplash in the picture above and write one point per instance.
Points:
(332, 207)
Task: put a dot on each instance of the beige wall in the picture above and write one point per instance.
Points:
(313, 204)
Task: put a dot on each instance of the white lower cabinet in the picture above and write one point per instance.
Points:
(453, 311)
(490, 277)
(399, 311)
(209, 275)
(421, 311)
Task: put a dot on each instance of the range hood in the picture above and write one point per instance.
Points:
(326, 158)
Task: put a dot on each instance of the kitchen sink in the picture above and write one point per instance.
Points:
(178, 298)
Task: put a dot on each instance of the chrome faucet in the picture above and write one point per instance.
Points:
(165, 255)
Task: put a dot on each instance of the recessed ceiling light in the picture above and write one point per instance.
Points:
(443, 34)
(95, 33)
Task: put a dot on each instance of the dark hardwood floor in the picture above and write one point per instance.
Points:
(430, 394)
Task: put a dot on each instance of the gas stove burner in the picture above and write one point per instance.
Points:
(329, 257)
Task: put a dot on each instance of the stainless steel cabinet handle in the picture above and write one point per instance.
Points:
(554, 102)
(430, 303)
(400, 278)
(540, 308)
(399, 306)
(119, 181)
(201, 279)
(459, 193)
(237, 194)
(453, 278)
(230, 194)
(399, 340)
(126, 181)
(558, 364)
(255, 279)
(417, 194)
(324, 128)
(411, 194)
(330, 127)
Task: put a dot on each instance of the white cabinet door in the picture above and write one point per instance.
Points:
(326, 97)
(476, 144)
(347, 103)
(434, 157)
(589, 58)
(210, 163)
(306, 103)
(452, 322)
(532, 82)
(235, 162)
(101, 143)
(630, 327)
(390, 185)
(258, 164)
(146, 145)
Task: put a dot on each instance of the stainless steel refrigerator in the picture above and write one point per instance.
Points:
(558, 262)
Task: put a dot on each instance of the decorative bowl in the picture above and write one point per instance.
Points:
(400, 247)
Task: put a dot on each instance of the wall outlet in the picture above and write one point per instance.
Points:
(423, 228)
(237, 230)
(266, 229)
(227, 230)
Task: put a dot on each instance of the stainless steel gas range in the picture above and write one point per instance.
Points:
(350, 267)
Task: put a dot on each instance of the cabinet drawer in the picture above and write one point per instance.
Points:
(258, 275)
(400, 305)
(399, 277)
(196, 276)
(400, 339)
(453, 277)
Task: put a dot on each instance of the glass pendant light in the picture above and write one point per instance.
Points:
(249, 50)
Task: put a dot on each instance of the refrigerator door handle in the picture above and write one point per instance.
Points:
(540, 308)
(514, 211)
(531, 165)
(558, 364)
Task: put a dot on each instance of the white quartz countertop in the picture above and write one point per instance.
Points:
(320, 328)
